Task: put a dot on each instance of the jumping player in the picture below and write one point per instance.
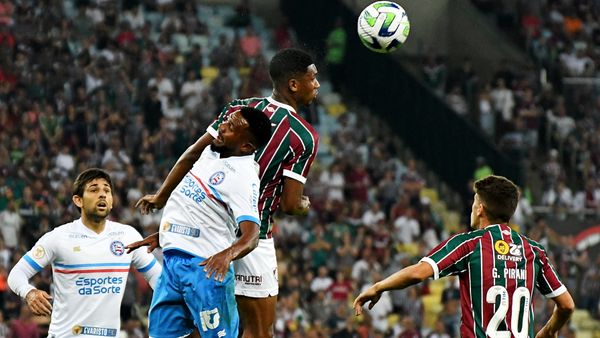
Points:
(284, 164)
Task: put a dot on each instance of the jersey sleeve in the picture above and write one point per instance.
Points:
(450, 256)
(43, 252)
(225, 112)
(548, 281)
(303, 145)
(242, 197)
(145, 262)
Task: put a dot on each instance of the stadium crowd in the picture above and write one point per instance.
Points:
(127, 87)
(553, 121)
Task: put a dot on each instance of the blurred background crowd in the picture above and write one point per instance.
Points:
(128, 85)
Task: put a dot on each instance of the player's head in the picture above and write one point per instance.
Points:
(244, 131)
(92, 193)
(293, 71)
(495, 201)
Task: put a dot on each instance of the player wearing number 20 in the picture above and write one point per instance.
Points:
(498, 270)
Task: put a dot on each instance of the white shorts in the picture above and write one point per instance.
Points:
(256, 273)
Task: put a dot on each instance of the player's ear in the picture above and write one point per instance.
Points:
(247, 148)
(78, 200)
(293, 85)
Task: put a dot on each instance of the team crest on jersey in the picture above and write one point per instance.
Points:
(38, 252)
(501, 247)
(76, 330)
(217, 178)
(117, 248)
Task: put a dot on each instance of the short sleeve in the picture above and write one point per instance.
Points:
(141, 259)
(303, 145)
(548, 281)
(43, 252)
(449, 257)
(225, 112)
(242, 197)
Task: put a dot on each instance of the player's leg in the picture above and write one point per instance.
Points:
(257, 316)
(256, 290)
(212, 303)
(169, 316)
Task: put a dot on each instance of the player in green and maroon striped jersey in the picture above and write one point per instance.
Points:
(498, 270)
(284, 164)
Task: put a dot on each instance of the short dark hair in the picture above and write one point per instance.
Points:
(499, 196)
(87, 176)
(287, 63)
(259, 125)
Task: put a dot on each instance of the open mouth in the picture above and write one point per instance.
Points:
(102, 205)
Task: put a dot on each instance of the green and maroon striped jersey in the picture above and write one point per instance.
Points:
(289, 153)
(498, 270)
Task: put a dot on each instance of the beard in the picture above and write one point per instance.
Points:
(218, 149)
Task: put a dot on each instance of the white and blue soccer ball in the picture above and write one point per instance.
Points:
(383, 26)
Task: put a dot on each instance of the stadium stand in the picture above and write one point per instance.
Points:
(128, 85)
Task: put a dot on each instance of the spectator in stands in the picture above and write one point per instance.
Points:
(10, 225)
(250, 43)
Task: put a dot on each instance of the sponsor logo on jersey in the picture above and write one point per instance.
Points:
(181, 229)
(501, 247)
(249, 279)
(116, 233)
(117, 248)
(94, 331)
(217, 178)
(99, 286)
(190, 189)
(508, 251)
(76, 330)
(77, 236)
(38, 252)
(76, 248)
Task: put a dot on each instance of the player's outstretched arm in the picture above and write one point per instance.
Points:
(406, 277)
(185, 162)
(562, 312)
(219, 263)
(292, 200)
(151, 242)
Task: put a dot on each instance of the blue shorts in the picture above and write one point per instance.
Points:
(184, 298)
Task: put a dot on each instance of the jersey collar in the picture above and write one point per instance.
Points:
(282, 105)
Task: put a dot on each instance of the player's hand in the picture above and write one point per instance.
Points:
(39, 302)
(151, 242)
(217, 264)
(149, 203)
(304, 205)
(369, 295)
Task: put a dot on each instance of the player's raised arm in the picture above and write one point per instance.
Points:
(182, 166)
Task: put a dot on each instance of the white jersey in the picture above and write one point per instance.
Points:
(90, 273)
(203, 213)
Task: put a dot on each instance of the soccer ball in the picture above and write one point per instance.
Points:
(383, 26)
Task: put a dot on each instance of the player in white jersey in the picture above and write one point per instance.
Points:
(210, 219)
(88, 262)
